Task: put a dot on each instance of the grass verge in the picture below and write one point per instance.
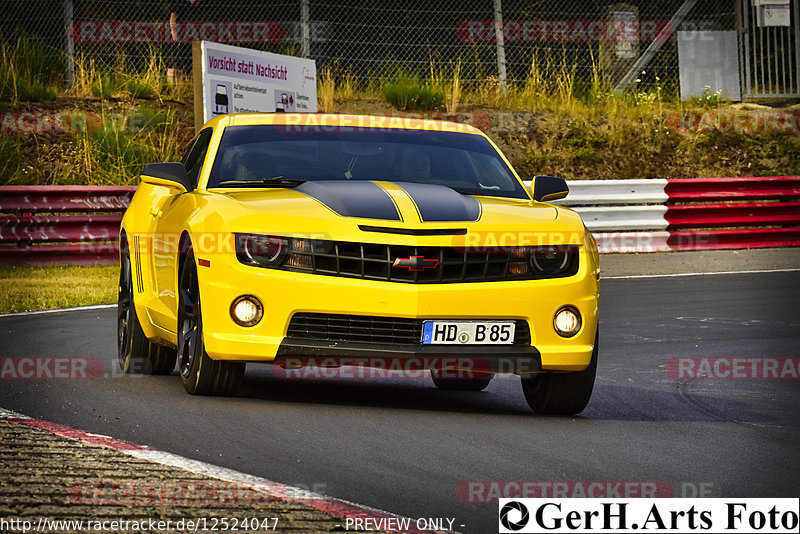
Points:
(57, 286)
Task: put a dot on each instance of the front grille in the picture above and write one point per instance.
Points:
(376, 262)
(372, 329)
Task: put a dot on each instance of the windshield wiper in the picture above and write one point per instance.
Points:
(275, 181)
(465, 191)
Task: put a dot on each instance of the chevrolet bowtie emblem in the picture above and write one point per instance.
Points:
(415, 263)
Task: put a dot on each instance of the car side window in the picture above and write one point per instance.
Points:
(193, 160)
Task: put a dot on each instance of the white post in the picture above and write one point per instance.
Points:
(305, 29)
(69, 44)
(501, 50)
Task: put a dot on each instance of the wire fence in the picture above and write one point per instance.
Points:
(483, 39)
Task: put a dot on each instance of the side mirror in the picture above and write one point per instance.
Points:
(547, 188)
(167, 174)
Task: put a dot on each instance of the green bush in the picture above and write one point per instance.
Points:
(104, 86)
(708, 100)
(139, 89)
(10, 158)
(29, 71)
(407, 93)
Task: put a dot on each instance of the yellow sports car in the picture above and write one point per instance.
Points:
(305, 239)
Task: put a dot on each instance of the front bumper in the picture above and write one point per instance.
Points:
(285, 293)
(519, 359)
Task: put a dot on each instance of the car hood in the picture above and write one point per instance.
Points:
(342, 208)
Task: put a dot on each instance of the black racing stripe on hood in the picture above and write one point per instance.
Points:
(413, 231)
(437, 203)
(356, 198)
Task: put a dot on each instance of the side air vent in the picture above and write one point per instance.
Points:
(137, 258)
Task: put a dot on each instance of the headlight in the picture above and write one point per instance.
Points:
(546, 261)
(543, 261)
(550, 260)
(261, 250)
(274, 251)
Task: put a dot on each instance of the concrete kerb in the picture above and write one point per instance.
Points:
(52, 472)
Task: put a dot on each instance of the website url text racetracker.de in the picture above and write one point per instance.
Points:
(252, 68)
(762, 515)
(199, 524)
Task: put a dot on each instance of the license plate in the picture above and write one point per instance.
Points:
(468, 332)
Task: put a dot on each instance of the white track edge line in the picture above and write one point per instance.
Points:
(222, 473)
(230, 475)
(59, 310)
(712, 273)
(8, 414)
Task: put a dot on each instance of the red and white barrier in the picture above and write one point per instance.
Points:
(70, 224)
(689, 214)
(78, 224)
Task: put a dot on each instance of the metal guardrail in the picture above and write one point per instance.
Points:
(607, 192)
(79, 224)
(689, 214)
(70, 224)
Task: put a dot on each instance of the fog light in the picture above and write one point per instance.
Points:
(567, 321)
(246, 310)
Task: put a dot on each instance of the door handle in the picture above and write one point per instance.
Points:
(155, 212)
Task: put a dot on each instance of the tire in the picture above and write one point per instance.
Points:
(561, 393)
(461, 384)
(135, 353)
(199, 373)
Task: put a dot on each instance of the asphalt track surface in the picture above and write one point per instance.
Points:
(405, 447)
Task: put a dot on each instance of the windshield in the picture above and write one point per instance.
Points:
(465, 162)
